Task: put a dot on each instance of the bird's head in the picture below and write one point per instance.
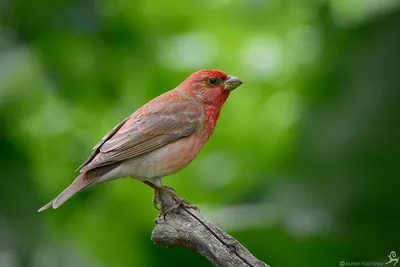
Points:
(210, 87)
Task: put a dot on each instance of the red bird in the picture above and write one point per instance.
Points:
(160, 138)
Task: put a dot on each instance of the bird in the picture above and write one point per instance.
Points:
(160, 138)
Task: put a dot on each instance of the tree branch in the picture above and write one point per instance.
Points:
(185, 227)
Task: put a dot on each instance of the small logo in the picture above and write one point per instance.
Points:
(392, 258)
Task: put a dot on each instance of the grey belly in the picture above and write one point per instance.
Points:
(158, 163)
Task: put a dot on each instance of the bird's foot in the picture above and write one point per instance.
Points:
(156, 194)
(156, 203)
(170, 191)
(179, 201)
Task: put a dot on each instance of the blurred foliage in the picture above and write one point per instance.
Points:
(303, 166)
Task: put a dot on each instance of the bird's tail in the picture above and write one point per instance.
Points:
(81, 182)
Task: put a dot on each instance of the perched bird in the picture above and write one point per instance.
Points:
(160, 138)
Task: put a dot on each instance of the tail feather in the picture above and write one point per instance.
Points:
(69, 192)
(84, 180)
(45, 207)
(81, 182)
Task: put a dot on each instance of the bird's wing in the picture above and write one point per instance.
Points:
(102, 141)
(146, 131)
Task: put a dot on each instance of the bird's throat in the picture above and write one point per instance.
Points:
(213, 111)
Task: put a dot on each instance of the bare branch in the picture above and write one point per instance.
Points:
(185, 227)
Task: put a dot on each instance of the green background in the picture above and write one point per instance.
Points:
(303, 168)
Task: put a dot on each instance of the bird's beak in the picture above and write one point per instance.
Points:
(231, 83)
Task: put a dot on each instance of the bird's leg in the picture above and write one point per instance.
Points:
(155, 195)
(157, 186)
(149, 184)
(180, 201)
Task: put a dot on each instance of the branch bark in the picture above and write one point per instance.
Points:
(185, 227)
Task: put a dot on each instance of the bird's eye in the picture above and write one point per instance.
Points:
(212, 80)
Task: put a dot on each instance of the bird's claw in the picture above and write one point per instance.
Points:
(181, 202)
(169, 190)
(156, 203)
(156, 198)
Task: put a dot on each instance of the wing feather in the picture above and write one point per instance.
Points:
(149, 130)
(96, 148)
